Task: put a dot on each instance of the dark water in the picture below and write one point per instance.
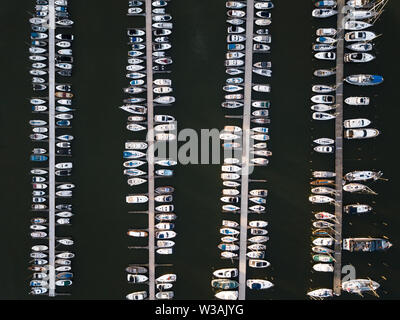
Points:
(101, 219)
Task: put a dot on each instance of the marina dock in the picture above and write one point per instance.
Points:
(246, 149)
(150, 140)
(337, 274)
(52, 204)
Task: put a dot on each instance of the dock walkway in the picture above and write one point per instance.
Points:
(246, 149)
(150, 140)
(52, 204)
(337, 274)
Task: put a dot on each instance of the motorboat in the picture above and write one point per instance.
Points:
(321, 293)
(357, 208)
(323, 13)
(263, 22)
(319, 249)
(135, 109)
(235, 5)
(323, 190)
(262, 87)
(356, 123)
(227, 295)
(258, 239)
(259, 284)
(263, 72)
(137, 278)
(140, 295)
(322, 258)
(262, 38)
(325, 55)
(137, 233)
(357, 101)
(233, 38)
(364, 79)
(137, 199)
(258, 224)
(323, 116)
(258, 264)
(361, 133)
(263, 5)
(357, 36)
(326, 32)
(323, 174)
(365, 244)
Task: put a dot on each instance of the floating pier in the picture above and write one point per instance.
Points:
(246, 149)
(150, 141)
(337, 273)
(52, 164)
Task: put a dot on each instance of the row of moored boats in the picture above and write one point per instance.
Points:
(140, 151)
(323, 185)
(39, 56)
(225, 280)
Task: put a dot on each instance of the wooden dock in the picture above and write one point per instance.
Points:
(52, 200)
(337, 274)
(246, 149)
(150, 153)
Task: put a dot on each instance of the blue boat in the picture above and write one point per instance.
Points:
(364, 79)
(63, 123)
(64, 275)
(38, 158)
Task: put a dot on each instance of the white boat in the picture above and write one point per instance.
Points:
(136, 181)
(258, 224)
(259, 284)
(363, 175)
(262, 88)
(165, 100)
(137, 278)
(356, 36)
(323, 174)
(325, 55)
(323, 116)
(235, 4)
(360, 46)
(354, 25)
(321, 293)
(360, 14)
(227, 295)
(263, 22)
(140, 295)
(324, 149)
(326, 32)
(356, 123)
(361, 133)
(357, 208)
(358, 57)
(355, 187)
(357, 101)
(323, 13)
(162, 118)
(137, 199)
(258, 263)
(323, 267)
(262, 38)
(320, 199)
(324, 141)
(359, 286)
(167, 278)
(322, 88)
(226, 273)
(164, 295)
(165, 234)
(324, 242)
(322, 107)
